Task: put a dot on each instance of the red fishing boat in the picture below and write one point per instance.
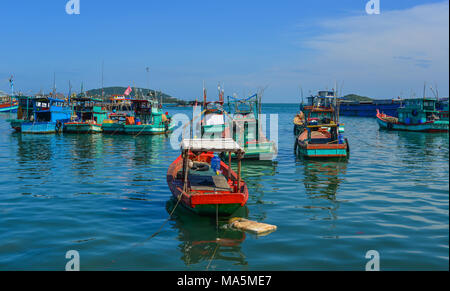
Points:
(205, 184)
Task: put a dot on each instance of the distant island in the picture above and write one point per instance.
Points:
(358, 98)
(141, 92)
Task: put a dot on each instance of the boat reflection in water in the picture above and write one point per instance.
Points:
(201, 239)
(422, 146)
(322, 180)
(256, 173)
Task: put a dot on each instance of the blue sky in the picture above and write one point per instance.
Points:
(245, 44)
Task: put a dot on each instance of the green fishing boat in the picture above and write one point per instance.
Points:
(87, 116)
(148, 119)
(317, 129)
(418, 114)
(246, 130)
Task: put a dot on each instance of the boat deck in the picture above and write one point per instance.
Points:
(206, 181)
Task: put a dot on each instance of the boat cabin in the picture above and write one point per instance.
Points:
(418, 111)
(87, 109)
(245, 118)
(50, 110)
(213, 122)
(147, 111)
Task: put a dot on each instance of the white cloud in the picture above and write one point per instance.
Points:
(381, 55)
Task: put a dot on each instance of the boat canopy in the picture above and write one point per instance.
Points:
(215, 145)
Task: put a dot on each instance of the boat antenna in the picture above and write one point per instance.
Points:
(103, 91)
(204, 95)
(54, 84)
(70, 91)
(424, 88)
(301, 92)
(434, 93)
(148, 77)
(11, 84)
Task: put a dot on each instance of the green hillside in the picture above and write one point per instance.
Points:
(354, 97)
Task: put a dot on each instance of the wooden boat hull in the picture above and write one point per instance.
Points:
(82, 127)
(16, 124)
(321, 150)
(257, 151)
(146, 129)
(207, 202)
(8, 108)
(436, 126)
(39, 127)
(113, 128)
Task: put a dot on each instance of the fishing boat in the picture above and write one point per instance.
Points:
(246, 128)
(202, 182)
(148, 119)
(48, 116)
(213, 116)
(417, 114)
(319, 136)
(24, 112)
(299, 119)
(87, 116)
(115, 124)
(8, 104)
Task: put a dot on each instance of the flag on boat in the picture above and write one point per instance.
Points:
(128, 91)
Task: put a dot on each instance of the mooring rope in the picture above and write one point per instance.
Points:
(164, 223)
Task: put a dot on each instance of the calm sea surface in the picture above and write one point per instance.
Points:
(105, 196)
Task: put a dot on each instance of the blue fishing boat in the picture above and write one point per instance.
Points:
(48, 116)
(418, 114)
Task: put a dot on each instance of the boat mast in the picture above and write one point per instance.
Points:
(70, 92)
(103, 92)
(204, 96)
(11, 84)
(54, 85)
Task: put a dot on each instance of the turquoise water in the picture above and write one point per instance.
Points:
(105, 196)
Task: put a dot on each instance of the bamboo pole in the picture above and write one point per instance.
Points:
(229, 166)
(185, 170)
(239, 172)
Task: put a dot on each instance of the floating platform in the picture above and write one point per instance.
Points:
(254, 227)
